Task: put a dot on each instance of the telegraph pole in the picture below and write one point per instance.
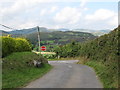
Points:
(38, 36)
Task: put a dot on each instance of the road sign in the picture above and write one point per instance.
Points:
(43, 48)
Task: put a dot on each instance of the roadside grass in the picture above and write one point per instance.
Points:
(16, 73)
(108, 79)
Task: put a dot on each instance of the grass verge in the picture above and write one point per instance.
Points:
(109, 80)
(16, 73)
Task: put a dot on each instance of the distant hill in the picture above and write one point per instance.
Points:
(94, 32)
(29, 31)
(59, 37)
(63, 29)
(51, 37)
(43, 29)
(4, 33)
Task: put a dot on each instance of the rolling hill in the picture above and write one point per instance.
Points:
(51, 36)
(59, 37)
(29, 31)
(43, 29)
(3, 33)
(94, 32)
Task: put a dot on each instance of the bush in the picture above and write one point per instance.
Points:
(68, 50)
(22, 45)
(49, 56)
(10, 45)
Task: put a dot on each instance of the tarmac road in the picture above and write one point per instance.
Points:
(67, 74)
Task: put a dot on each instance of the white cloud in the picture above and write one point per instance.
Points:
(17, 6)
(101, 14)
(43, 12)
(71, 15)
(29, 24)
(57, 26)
(108, 23)
(63, 0)
(83, 3)
(53, 9)
(25, 14)
(68, 15)
(114, 21)
(103, 17)
(30, 1)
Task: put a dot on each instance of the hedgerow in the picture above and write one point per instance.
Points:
(22, 45)
(10, 45)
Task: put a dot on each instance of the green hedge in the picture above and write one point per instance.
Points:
(22, 45)
(104, 50)
(10, 45)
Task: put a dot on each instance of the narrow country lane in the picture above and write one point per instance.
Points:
(67, 74)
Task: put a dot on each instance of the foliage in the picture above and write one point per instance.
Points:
(22, 45)
(68, 50)
(100, 50)
(10, 45)
(49, 56)
(17, 73)
(105, 51)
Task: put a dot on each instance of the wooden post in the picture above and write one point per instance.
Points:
(38, 37)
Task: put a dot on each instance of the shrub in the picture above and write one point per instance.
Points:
(68, 50)
(10, 45)
(22, 45)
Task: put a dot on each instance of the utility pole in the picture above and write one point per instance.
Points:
(38, 36)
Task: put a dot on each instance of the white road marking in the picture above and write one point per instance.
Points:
(70, 66)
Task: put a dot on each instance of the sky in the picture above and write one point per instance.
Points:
(55, 14)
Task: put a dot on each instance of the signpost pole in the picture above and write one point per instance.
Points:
(38, 37)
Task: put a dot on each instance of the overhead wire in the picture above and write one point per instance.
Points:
(8, 27)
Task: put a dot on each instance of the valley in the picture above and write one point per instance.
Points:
(50, 38)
